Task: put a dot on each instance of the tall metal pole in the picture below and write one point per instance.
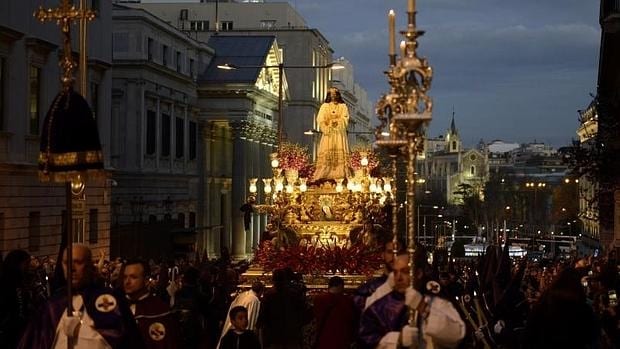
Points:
(69, 251)
(280, 78)
(418, 221)
(411, 159)
(82, 64)
(394, 206)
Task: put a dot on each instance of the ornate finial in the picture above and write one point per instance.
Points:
(64, 16)
(409, 77)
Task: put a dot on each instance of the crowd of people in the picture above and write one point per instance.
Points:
(490, 302)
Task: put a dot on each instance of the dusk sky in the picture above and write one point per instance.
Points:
(512, 70)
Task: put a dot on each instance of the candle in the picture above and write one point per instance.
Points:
(411, 6)
(392, 28)
(472, 322)
(478, 310)
(466, 313)
(403, 49)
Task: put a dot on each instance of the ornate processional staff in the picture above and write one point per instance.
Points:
(406, 110)
(70, 150)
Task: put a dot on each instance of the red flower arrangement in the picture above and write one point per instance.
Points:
(292, 156)
(307, 171)
(355, 158)
(316, 260)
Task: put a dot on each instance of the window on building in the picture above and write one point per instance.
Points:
(180, 141)
(167, 217)
(183, 15)
(93, 223)
(164, 56)
(192, 219)
(151, 132)
(227, 25)
(453, 145)
(165, 135)
(149, 48)
(181, 219)
(472, 170)
(152, 219)
(179, 62)
(3, 80)
(191, 67)
(199, 26)
(192, 140)
(78, 229)
(34, 99)
(34, 231)
(94, 98)
(267, 24)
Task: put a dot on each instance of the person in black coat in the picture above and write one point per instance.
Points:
(562, 318)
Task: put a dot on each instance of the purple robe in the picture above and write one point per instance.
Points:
(387, 314)
(116, 325)
(365, 290)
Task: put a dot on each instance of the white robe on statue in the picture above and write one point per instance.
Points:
(333, 150)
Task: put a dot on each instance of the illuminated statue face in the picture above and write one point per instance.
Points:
(333, 94)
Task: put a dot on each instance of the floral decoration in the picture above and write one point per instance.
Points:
(355, 158)
(319, 259)
(292, 156)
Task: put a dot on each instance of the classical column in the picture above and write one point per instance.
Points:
(226, 217)
(252, 163)
(203, 154)
(239, 181)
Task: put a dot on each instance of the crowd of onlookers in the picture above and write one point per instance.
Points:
(519, 303)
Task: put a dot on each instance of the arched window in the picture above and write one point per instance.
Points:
(472, 170)
(453, 145)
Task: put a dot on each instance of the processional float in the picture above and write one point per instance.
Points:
(299, 211)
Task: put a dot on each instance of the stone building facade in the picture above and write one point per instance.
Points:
(31, 212)
(157, 134)
(301, 47)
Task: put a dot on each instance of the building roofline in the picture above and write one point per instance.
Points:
(133, 13)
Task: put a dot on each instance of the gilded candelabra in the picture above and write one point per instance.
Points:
(405, 111)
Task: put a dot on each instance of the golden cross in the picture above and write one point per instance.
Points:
(64, 16)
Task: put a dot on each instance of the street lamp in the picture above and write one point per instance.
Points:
(280, 67)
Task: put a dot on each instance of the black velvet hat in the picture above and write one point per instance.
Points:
(70, 144)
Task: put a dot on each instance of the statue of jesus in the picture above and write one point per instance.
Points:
(333, 151)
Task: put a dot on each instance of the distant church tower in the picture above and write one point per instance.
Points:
(453, 140)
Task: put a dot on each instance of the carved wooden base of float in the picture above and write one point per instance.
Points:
(314, 283)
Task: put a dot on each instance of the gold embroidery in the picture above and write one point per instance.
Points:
(68, 159)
